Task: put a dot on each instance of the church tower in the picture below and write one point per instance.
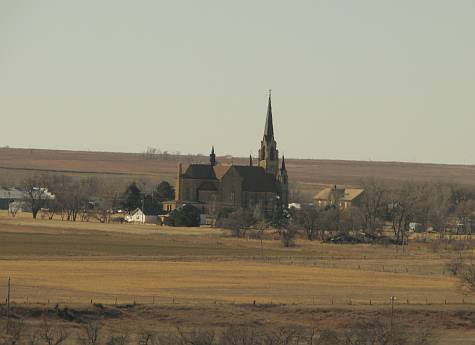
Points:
(268, 156)
(283, 183)
(212, 157)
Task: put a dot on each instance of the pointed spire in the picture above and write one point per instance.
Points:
(283, 163)
(250, 160)
(269, 128)
(212, 157)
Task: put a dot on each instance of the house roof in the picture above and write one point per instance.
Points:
(148, 211)
(255, 179)
(11, 193)
(200, 171)
(347, 194)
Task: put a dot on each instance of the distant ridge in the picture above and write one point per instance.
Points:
(310, 174)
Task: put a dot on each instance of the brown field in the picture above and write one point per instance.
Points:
(192, 277)
(310, 175)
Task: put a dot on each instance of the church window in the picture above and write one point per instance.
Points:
(272, 154)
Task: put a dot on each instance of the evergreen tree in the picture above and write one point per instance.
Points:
(163, 192)
(132, 197)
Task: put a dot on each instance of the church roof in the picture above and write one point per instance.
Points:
(255, 179)
(220, 170)
(207, 186)
(200, 171)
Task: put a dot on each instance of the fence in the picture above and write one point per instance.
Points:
(304, 301)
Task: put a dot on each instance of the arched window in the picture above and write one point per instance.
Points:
(272, 154)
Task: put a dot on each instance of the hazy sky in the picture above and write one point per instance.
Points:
(355, 79)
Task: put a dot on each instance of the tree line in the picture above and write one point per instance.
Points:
(82, 198)
(376, 331)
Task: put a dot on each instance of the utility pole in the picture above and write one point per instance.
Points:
(8, 303)
(392, 299)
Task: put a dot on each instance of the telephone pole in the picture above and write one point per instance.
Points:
(8, 302)
(393, 298)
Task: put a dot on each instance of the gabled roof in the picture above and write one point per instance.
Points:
(148, 211)
(255, 179)
(345, 194)
(200, 171)
(220, 170)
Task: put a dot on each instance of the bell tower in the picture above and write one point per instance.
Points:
(268, 156)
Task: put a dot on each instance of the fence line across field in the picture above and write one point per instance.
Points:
(160, 300)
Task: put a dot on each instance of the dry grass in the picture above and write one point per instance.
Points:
(203, 278)
(58, 260)
(237, 281)
(311, 175)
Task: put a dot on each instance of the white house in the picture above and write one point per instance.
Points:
(138, 216)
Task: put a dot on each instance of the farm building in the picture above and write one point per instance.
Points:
(340, 197)
(8, 195)
(142, 217)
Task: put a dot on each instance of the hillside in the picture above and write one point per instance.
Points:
(309, 175)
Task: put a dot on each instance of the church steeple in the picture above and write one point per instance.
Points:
(268, 156)
(212, 157)
(269, 128)
(283, 164)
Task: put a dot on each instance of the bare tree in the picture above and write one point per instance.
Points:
(308, 217)
(36, 193)
(372, 205)
(288, 235)
(11, 332)
(52, 335)
(118, 339)
(240, 336)
(90, 332)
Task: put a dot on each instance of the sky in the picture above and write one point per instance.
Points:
(372, 80)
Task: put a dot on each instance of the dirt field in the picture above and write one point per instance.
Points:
(175, 276)
(309, 175)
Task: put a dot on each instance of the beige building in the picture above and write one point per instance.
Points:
(338, 196)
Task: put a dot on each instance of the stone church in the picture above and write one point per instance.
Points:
(212, 186)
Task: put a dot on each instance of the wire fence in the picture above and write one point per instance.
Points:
(322, 301)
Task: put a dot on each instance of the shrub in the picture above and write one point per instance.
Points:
(188, 215)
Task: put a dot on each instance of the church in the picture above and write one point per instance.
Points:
(212, 186)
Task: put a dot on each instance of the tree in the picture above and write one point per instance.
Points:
(52, 335)
(72, 196)
(237, 221)
(465, 212)
(404, 199)
(188, 216)
(439, 207)
(372, 204)
(164, 192)
(132, 197)
(308, 217)
(36, 193)
(288, 234)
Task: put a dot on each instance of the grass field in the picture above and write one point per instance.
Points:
(190, 276)
(310, 175)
